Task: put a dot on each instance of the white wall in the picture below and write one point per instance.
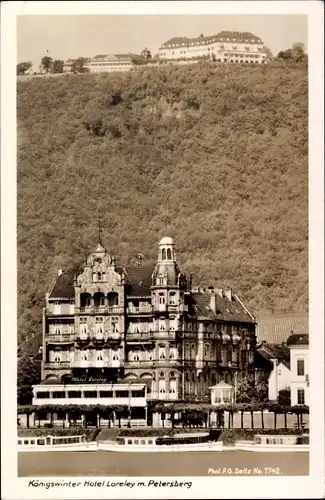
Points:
(279, 379)
(299, 381)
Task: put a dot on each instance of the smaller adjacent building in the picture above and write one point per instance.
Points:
(299, 369)
(109, 63)
(279, 379)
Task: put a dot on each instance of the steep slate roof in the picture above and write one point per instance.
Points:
(63, 287)
(223, 36)
(110, 57)
(227, 310)
(140, 279)
(272, 351)
(276, 329)
(296, 339)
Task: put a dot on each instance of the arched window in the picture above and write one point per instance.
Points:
(112, 299)
(169, 254)
(99, 299)
(163, 254)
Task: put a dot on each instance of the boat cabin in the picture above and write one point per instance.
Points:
(50, 440)
(201, 437)
(267, 439)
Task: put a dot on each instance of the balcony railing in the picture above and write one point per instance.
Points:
(139, 310)
(99, 310)
(139, 336)
(95, 363)
(63, 337)
(56, 364)
(151, 363)
(166, 396)
(60, 310)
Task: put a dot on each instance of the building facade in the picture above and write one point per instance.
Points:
(226, 46)
(107, 324)
(109, 63)
(299, 368)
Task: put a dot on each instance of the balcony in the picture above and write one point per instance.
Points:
(60, 310)
(60, 338)
(151, 363)
(139, 311)
(95, 363)
(49, 365)
(91, 310)
(138, 336)
(165, 396)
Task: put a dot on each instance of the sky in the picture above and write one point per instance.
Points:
(71, 36)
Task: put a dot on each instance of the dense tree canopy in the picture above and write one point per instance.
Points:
(22, 67)
(26, 377)
(226, 146)
(57, 66)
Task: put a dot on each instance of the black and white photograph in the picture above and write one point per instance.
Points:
(166, 322)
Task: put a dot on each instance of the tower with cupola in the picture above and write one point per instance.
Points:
(167, 298)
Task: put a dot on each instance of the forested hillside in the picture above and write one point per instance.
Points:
(226, 146)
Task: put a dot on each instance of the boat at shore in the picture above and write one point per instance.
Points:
(200, 441)
(56, 443)
(275, 443)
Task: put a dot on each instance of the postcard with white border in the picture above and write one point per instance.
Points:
(162, 249)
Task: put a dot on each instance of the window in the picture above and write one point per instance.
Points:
(163, 253)
(58, 394)
(169, 254)
(90, 394)
(105, 394)
(300, 367)
(301, 396)
(74, 394)
(142, 441)
(122, 394)
(161, 298)
(129, 441)
(42, 395)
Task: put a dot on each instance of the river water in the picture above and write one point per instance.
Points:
(101, 463)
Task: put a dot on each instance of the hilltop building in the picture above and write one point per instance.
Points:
(108, 63)
(122, 335)
(226, 46)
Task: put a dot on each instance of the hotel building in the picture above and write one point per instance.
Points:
(226, 46)
(134, 335)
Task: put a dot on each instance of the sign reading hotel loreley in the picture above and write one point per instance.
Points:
(84, 380)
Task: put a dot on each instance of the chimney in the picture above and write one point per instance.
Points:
(60, 272)
(228, 293)
(213, 302)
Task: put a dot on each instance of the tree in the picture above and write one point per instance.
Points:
(78, 66)
(27, 376)
(298, 51)
(47, 63)
(57, 66)
(284, 397)
(246, 391)
(22, 67)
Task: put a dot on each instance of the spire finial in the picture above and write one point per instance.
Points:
(99, 222)
(167, 216)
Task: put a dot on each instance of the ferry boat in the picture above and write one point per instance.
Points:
(275, 443)
(55, 443)
(200, 441)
